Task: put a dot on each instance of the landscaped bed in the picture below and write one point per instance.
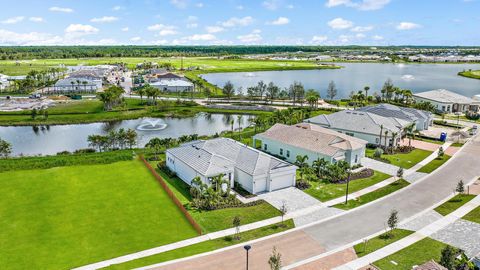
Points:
(374, 195)
(453, 204)
(405, 161)
(324, 190)
(66, 217)
(434, 164)
(204, 246)
(380, 241)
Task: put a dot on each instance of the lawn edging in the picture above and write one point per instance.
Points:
(172, 195)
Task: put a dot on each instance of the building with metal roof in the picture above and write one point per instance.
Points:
(255, 171)
(447, 102)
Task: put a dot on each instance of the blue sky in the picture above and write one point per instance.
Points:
(225, 22)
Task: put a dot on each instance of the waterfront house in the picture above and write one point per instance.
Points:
(75, 85)
(447, 102)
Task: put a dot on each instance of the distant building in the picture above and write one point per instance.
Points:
(254, 170)
(447, 102)
(75, 85)
(4, 82)
(174, 85)
(364, 125)
(313, 141)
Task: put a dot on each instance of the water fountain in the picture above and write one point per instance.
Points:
(152, 125)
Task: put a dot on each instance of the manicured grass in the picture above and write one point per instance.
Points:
(474, 74)
(204, 246)
(434, 164)
(324, 190)
(374, 195)
(380, 241)
(220, 219)
(405, 161)
(473, 216)
(416, 254)
(67, 217)
(453, 204)
(457, 144)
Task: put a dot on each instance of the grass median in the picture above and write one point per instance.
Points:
(434, 164)
(453, 204)
(380, 241)
(406, 160)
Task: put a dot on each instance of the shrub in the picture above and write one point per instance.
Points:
(302, 185)
(378, 152)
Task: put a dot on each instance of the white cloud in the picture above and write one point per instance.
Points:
(319, 39)
(75, 30)
(125, 29)
(61, 9)
(239, 7)
(163, 30)
(407, 26)
(117, 8)
(377, 37)
(280, 21)
(360, 36)
(214, 29)
(192, 25)
(234, 21)
(160, 42)
(271, 4)
(36, 19)
(290, 6)
(256, 31)
(253, 37)
(192, 18)
(135, 39)
(360, 5)
(199, 5)
(359, 29)
(13, 20)
(179, 3)
(339, 23)
(32, 38)
(201, 37)
(104, 19)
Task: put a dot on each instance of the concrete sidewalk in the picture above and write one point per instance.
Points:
(413, 238)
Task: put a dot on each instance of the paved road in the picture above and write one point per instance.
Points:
(359, 223)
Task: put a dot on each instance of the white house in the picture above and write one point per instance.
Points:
(177, 85)
(446, 101)
(373, 128)
(255, 171)
(313, 141)
(4, 82)
(75, 85)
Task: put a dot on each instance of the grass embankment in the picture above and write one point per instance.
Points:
(325, 191)
(406, 160)
(434, 164)
(204, 246)
(374, 195)
(416, 254)
(220, 219)
(474, 74)
(89, 111)
(65, 217)
(473, 216)
(380, 241)
(453, 204)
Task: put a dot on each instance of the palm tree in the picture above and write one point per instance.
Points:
(394, 145)
(155, 145)
(381, 131)
(312, 98)
(319, 166)
(386, 135)
(301, 161)
(366, 88)
(410, 133)
(239, 119)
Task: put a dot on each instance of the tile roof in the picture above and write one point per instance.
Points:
(430, 265)
(215, 156)
(314, 138)
(444, 96)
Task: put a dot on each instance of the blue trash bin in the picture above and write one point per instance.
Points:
(443, 136)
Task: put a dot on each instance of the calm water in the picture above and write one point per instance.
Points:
(53, 139)
(354, 76)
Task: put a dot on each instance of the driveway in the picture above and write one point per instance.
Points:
(293, 198)
(356, 224)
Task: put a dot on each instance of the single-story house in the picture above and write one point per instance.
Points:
(447, 102)
(4, 83)
(364, 125)
(177, 85)
(313, 141)
(76, 85)
(422, 119)
(255, 171)
(156, 77)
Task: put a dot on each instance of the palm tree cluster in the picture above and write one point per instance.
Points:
(5, 149)
(321, 169)
(112, 96)
(36, 79)
(114, 140)
(158, 145)
(212, 195)
(289, 116)
(150, 92)
(392, 93)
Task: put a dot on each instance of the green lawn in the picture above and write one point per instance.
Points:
(374, 195)
(434, 164)
(473, 216)
(405, 161)
(474, 74)
(380, 241)
(65, 217)
(453, 204)
(220, 219)
(324, 190)
(416, 254)
(204, 247)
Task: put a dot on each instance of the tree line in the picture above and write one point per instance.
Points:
(114, 140)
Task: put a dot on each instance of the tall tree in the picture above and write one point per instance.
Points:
(272, 91)
(331, 90)
(228, 90)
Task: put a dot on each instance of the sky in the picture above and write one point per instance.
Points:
(240, 22)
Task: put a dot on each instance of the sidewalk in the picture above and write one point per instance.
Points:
(413, 238)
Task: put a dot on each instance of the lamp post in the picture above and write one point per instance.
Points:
(348, 181)
(247, 248)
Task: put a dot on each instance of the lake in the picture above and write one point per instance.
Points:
(355, 76)
(47, 140)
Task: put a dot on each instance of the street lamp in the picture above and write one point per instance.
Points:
(247, 248)
(348, 181)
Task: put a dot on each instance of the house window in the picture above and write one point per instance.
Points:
(376, 140)
(349, 134)
(288, 153)
(265, 147)
(281, 151)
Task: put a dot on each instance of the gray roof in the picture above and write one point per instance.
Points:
(389, 110)
(358, 121)
(313, 138)
(215, 156)
(172, 83)
(444, 96)
(68, 82)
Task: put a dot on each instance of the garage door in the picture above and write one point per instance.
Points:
(260, 185)
(281, 181)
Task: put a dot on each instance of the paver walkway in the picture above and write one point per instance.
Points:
(421, 221)
(462, 234)
(379, 166)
